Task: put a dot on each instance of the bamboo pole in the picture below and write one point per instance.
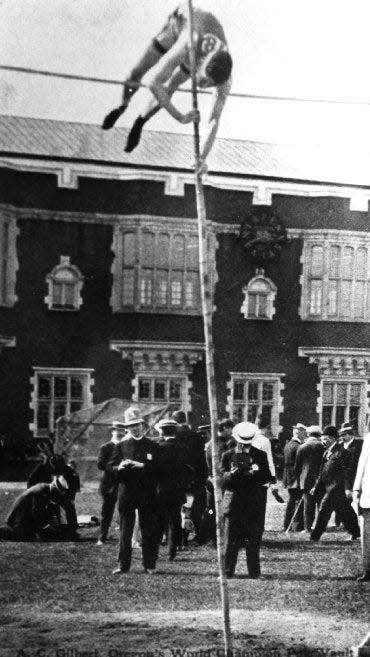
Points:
(207, 307)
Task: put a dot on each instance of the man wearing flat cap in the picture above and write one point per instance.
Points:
(290, 480)
(108, 487)
(173, 474)
(135, 466)
(244, 472)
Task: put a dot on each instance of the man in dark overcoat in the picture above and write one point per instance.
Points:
(193, 446)
(172, 477)
(308, 463)
(332, 485)
(244, 471)
(136, 467)
(290, 480)
(108, 486)
(352, 446)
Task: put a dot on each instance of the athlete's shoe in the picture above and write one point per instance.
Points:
(113, 116)
(135, 134)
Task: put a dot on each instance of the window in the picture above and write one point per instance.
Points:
(341, 402)
(162, 370)
(8, 260)
(156, 268)
(255, 397)
(65, 284)
(336, 277)
(162, 389)
(343, 389)
(56, 393)
(259, 297)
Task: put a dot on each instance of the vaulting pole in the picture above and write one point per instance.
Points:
(207, 307)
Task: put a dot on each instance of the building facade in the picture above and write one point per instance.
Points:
(99, 280)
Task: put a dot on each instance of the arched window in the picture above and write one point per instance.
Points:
(65, 284)
(259, 297)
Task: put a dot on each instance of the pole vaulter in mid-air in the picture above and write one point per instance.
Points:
(167, 62)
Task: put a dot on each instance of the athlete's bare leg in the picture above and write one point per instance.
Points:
(152, 107)
(150, 57)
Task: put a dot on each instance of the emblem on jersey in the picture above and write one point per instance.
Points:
(209, 43)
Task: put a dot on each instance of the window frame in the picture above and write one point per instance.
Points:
(76, 280)
(85, 374)
(170, 275)
(8, 258)
(269, 296)
(363, 406)
(259, 378)
(162, 377)
(325, 289)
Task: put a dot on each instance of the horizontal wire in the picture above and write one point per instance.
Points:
(135, 84)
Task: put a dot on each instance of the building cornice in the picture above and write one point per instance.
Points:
(159, 356)
(262, 190)
(14, 212)
(338, 361)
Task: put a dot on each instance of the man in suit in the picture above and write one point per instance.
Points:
(35, 514)
(352, 448)
(172, 475)
(244, 471)
(307, 468)
(135, 465)
(333, 482)
(108, 487)
(290, 479)
(224, 442)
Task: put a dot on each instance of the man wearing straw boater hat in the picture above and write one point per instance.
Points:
(168, 60)
(245, 471)
(136, 463)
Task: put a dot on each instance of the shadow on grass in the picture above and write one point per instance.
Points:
(290, 546)
(179, 639)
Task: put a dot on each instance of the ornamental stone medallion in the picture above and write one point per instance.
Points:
(263, 234)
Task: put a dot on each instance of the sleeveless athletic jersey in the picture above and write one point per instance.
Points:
(206, 27)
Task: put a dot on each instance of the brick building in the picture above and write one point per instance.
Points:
(99, 278)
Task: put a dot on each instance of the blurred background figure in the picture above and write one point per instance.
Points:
(308, 463)
(290, 480)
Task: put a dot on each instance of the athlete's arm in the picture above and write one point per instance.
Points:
(164, 71)
(220, 95)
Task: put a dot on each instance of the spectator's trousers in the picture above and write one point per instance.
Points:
(240, 533)
(332, 500)
(107, 511)
(148, 522)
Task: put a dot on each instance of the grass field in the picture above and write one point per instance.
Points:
(61, 600)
